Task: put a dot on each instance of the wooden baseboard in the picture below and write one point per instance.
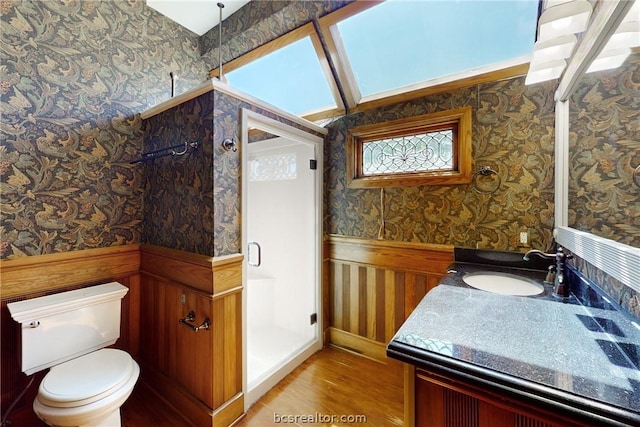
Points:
(190, 407)
(177, 397)
(357, 344)
(229, 413)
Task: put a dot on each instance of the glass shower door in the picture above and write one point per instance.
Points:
(281, 258)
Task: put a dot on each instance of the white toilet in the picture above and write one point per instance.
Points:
(67, 332)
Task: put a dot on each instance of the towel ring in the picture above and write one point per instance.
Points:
(636, 176)
(485, 171)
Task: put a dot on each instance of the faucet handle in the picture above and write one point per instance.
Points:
(561, 288)
(562, 254)
(551, 275)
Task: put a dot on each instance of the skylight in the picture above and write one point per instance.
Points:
(290, 78)
(400, 42)
(380, 50)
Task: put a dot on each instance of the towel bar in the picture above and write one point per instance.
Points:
(187, 322)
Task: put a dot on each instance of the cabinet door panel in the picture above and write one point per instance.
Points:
(429, 404)
(492, 416)
(440, 402)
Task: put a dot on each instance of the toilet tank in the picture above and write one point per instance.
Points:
(59, 327)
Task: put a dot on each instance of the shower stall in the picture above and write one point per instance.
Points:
(282, 236)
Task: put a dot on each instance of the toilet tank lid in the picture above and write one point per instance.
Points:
(36, 308)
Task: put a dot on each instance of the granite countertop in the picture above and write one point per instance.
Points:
(579, 356)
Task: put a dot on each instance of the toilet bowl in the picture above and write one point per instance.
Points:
(69, 332)
(88, 390)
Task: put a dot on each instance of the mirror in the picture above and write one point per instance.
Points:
(604, 150)
(596, 199)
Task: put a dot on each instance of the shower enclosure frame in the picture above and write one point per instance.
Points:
(251, 119)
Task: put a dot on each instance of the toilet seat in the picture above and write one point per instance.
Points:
(64, 402)
(86, 379)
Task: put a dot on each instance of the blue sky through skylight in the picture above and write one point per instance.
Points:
(290, 78)
(401, 42)
(393, 44)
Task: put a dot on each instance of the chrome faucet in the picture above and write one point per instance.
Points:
(560, 286)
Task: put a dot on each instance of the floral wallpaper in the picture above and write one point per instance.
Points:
(513, 133)
(604, 151)
(75, 76)
(192, 202)
(178, 196)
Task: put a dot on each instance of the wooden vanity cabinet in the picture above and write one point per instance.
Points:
(199, 373)
(445, 402)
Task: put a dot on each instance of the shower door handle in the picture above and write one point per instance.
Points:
(254, 264)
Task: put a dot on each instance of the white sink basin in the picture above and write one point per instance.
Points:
(502, 283)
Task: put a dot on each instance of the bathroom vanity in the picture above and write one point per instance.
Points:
(480, 358)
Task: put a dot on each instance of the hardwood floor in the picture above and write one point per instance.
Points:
(334, 382)
(331, 384)
(144, 409)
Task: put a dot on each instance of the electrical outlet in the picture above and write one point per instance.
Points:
(524, 238)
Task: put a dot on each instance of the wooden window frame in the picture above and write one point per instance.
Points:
(458, 119)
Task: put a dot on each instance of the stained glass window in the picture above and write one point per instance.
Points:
(429, 151)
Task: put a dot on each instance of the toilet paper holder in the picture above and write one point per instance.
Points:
(188, 320)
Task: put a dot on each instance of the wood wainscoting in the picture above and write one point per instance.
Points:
(371, 287)
(198, 373)
(34, 276)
